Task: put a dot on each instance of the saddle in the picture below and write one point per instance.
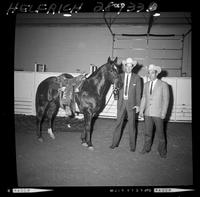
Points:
(67, 89)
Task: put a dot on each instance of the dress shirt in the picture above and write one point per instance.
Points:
(125, 78)
(154, 82)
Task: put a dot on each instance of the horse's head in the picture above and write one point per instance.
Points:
(114, 73)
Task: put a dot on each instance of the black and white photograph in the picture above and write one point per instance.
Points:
(102, 95)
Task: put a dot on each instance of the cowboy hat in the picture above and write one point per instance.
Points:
(153, 67)
(129, 60)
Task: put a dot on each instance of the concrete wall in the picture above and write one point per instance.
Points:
(62, 49)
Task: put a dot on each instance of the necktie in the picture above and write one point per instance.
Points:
(151, 87)
(126, 86)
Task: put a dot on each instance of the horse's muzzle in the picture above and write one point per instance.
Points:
(118, 83)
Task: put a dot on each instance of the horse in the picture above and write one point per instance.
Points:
(47, 103)
(91, 96)
(90, 99)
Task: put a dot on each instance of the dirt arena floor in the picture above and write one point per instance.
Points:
(65, 162)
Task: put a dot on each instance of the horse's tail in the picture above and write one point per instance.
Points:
(39, 102)
(43, 96)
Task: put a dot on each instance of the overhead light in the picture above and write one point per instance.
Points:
(153, 6)
(67, 15)
(156, 14)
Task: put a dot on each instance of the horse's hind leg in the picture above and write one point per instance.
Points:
(39, 120)
(51, 114)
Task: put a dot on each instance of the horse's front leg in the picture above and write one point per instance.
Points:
(84, 133)
(88, 132)
(51, 114)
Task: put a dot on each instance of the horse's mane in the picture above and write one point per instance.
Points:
(96, 71)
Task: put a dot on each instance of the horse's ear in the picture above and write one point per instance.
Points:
(115, 61)
(109, 59)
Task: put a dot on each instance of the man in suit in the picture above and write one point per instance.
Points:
(128, 103)
(154, 104)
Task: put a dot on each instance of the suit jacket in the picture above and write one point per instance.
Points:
(134, 92)
(157, 103)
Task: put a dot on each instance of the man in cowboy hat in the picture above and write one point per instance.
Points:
(154, 104)
(128, 103)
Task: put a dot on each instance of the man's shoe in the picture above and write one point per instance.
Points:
(146, 147)
(112, 147)
(163, 154)
(132, 149)
(145, 150)
(162, 149)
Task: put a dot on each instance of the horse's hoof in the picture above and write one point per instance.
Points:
(90, 147)
(84, 144)
(52, 137)
(40, 139)
(51, 133)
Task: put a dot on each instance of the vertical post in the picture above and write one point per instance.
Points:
(113, 44)
(147, 59)
(34, 89)
(182, 45)
(93, 68)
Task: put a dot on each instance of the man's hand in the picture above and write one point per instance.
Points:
(162, 116)
(137, 108)
(141, 115)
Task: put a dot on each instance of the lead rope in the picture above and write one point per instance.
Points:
(109, 99)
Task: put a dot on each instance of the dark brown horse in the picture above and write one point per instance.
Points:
(91, 97)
